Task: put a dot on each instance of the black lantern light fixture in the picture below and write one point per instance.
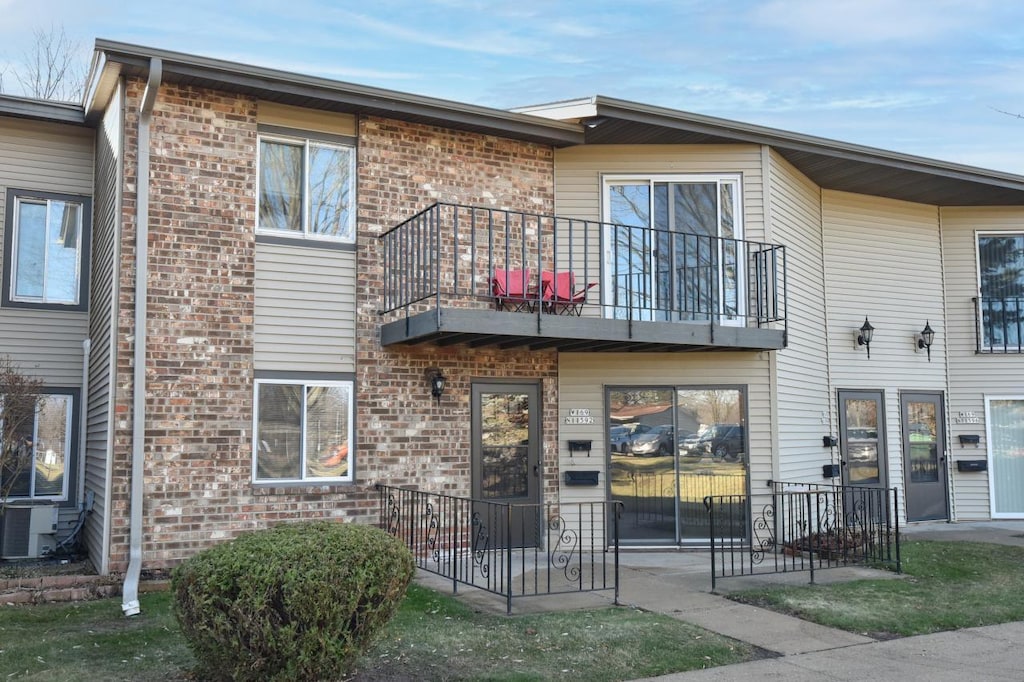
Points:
(437, 382)
(925, 338)
(864, 335)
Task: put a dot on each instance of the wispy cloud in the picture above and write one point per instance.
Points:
(851, 22)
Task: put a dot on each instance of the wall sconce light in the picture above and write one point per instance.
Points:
(863, 336)
(437, 382)
(924, 339)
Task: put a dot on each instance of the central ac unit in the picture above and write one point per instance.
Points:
(27, 529)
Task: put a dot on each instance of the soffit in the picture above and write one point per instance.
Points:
(830, 164)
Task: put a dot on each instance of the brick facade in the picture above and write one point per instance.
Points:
(405, 438)
(199, 363)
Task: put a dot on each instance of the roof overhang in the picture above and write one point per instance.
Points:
(41, 110)
(114, 59)
(828, 163)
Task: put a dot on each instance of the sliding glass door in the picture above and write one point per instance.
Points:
(673, 250)
(669, 448)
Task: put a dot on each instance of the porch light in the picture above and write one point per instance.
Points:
(864, 335)
(925, 338)
(437, 381)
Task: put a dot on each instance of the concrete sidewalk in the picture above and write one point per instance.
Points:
(678, 584)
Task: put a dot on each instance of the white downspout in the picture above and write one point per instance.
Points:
(130, 590)
(83, 427)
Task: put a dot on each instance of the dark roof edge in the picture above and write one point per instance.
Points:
(41, 110)
(747, 132)
(327, 90)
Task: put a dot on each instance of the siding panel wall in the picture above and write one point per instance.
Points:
(57, 158)
(804, 395)
(578, 172)
(102, 318)
(883, 260)
(582, 378)
(972, 376)
(305, 309)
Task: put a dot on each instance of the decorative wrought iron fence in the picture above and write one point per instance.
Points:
(512, 550)
(448, 254)
(802, 527)
(999, 324)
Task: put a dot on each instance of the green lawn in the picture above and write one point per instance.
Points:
(434, 637)
(947, 586)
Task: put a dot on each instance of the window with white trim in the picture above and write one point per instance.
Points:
(306, 188)
(674, 250)
(43, 449)
(303, 431)
(1001, 289)
(43, 253)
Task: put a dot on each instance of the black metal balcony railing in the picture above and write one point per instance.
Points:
(803, 527)
(512, 550)
(446, 255)
(999, 324)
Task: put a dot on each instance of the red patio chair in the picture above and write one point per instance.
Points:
(511, 290)
(560, 295)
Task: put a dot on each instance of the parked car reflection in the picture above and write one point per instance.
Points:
(657, 441)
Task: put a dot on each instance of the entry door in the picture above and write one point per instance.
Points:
(862, 438)
(924, 456)
(506, 463)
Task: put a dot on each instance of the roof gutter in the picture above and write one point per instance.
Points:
(130, 590)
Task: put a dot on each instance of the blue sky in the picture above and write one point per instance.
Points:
(918, 76)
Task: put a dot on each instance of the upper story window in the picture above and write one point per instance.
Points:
(675, 251)
(307, 188)
(303, 431)
(43, 447)
(1001, 288)
(45, 250)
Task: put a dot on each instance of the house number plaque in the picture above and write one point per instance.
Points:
(579, 415)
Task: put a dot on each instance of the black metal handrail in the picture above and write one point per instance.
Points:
(512, 550)
(449, 253)
(999, 324)
(802, 527)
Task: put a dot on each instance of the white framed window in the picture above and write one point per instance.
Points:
(45, 250)
(43, 446)
(306, 188)
(1004, 433)
(674, 250)
(303, 431)
(1001, 291)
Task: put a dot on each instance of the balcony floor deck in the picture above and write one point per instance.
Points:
(567, 333)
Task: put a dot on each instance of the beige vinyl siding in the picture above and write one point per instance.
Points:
(883, 261)
(305, 309)
(973, 376)
(582, 378)
(579, 173)
(47, 157)
(803, 396)
(105, 253)
(286, 116)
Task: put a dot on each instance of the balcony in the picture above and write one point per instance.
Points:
(488, 277)
(999, 324)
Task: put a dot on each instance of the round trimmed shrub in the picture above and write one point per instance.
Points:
(295, 602)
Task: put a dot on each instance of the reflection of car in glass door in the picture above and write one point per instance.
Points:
(657, 441)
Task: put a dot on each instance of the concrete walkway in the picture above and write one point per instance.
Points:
(678, 584)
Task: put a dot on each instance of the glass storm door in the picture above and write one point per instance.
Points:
(1005, 435)
(506, 461)
(862, 438)
(924, 458)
